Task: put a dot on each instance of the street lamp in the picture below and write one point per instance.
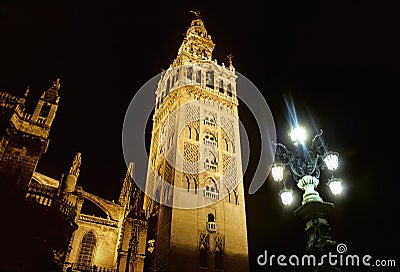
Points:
(305, 165)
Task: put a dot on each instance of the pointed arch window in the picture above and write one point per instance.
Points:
(210, 139)
(87, 249)
(211, 189)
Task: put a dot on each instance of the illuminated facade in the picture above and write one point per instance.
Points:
(196, 205)
(57, 225)
(195, 218)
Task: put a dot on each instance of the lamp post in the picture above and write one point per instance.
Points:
(305, 165)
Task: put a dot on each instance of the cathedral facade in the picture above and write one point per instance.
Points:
(56, 224)
(192, 214)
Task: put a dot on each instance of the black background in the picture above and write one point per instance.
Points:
(337, 61)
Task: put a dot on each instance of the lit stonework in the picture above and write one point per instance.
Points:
(194, 167)
(194, 171)
(68, 228)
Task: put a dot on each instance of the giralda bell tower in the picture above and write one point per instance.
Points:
(194, 189)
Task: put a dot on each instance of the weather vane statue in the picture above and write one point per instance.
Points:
(230, 56)
(196, 13)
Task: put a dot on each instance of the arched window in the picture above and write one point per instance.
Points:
(210, 79)
(45, 110)
(198, 77)
(86, 251)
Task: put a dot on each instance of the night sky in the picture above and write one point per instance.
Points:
(337, 61)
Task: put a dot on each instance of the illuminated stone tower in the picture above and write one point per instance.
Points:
(194, 191)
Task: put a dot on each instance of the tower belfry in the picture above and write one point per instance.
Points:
(197, 45)
(194, 189)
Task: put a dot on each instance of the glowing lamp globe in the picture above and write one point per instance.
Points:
(335, 185)
(331, 161)
(286, 196)
(298, 135)
(277, 171)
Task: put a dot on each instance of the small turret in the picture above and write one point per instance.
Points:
(68, 180)
(46, 108)
(127, 186)
(26, 138)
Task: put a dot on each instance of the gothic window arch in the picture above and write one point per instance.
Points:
(87, 249)
(211, 185)
(211, 189)
(211, 158)
(210, 162)
(209, 119)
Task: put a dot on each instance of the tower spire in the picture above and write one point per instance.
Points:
(197, 45)
(76, 164)
(194, 179)
(69, 179)
(26, 92)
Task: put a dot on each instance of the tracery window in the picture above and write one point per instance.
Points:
(87, 248)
